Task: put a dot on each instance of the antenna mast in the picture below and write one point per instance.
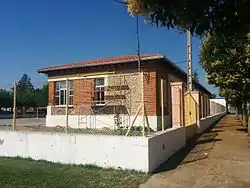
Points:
(138, 43)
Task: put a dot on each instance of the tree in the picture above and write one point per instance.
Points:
(41, 96)
(195, 75)
(24, 84)
(5, 99)
(232, 97)
(226, 62)
(222, 17)
(25, 93)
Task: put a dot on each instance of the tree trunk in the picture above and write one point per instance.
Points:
(23, 111)
(245, 114)
(226, 105)
(241, 113)
(237, 112)
(248, 126)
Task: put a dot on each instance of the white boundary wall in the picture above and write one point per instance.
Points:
(164, 145)
(103, 151)
(208, 121)
(219, 101)
(137, 153)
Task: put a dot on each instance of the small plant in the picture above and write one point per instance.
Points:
(118, 121)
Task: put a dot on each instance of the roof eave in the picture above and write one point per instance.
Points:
(184, 73)
(46, 70)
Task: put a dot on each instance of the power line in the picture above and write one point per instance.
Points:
(183, 61)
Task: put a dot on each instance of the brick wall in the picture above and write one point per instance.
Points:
(150, 86)
(83, 91)
(83, 96)
(51, 100)
(129, 96)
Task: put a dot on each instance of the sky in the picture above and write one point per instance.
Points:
(36, 34)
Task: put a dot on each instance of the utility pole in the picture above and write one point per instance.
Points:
(14, 108)
(189, 61)
(67, 106)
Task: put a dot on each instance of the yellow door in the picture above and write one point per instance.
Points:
(190, 115)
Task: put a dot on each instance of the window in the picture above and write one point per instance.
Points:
(99, 92)
(60, 92)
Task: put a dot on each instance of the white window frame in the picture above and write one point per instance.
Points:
(63, 90)
(102, 90)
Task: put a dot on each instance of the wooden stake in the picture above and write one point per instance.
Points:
(146, 117)
(67, 106)
(14, 108)
(143, 106)
(131, 125)
(162, 106)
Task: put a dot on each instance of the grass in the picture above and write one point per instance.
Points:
(23, 173)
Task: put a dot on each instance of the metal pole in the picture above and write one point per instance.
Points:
(14, 108)
(67, 105)
(189, 61)
(143, 105)
(138, 43)
(162, 105)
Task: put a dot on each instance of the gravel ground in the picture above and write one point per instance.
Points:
(21, 122)
(219, 158)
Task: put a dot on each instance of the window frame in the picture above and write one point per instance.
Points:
(99, 90)
(62, 90)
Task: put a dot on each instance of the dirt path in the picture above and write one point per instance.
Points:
(219, 158)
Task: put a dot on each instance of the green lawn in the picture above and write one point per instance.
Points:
(15, 172)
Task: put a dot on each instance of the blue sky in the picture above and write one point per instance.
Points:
(37, 34)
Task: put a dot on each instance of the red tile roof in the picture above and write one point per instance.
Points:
(121, 59)
(105, 61)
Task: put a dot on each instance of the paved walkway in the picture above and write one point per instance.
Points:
(219, 158)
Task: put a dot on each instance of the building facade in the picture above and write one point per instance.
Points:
(116, 92)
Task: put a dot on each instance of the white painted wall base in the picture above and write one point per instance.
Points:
(135, 153)
(164, 145)
(205, 123)
(101, 121)
(104, 151)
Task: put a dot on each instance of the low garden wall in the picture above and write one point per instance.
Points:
(164, 145)
(205, 123)
(135, 153)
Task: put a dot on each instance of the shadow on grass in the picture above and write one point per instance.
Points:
(178, 158)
